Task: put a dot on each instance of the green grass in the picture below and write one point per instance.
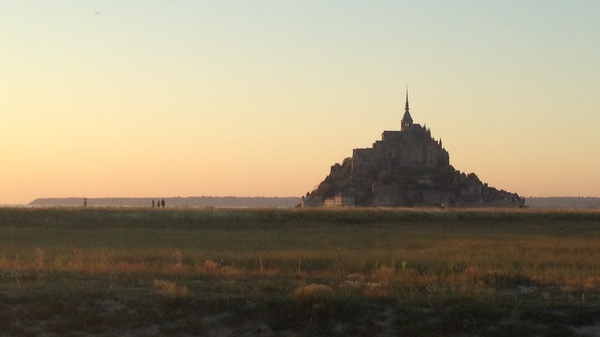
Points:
(486, 272)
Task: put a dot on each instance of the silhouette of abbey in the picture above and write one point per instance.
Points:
(405, 168)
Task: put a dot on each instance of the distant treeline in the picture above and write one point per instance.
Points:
(250, 202)
(563, 202)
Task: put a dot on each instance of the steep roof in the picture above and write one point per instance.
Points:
(406, 119)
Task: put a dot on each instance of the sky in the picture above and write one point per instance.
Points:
(260, 98)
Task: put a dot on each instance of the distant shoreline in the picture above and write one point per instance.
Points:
(205, 201)
(563, 202)
(265, 202)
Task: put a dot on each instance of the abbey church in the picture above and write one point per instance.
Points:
(405, 168)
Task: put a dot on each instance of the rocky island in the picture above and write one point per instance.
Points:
(406, 168)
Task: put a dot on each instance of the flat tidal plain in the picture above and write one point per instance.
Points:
(299, 272)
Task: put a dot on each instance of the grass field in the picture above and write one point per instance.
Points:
(298, 272)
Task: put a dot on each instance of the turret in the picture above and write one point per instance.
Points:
(406, 119)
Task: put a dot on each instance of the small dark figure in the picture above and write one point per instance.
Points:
(85, 202)
(163, 203)
(152, 203)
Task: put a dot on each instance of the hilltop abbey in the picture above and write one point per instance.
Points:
(405, 168)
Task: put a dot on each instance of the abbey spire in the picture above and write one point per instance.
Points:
(406, 119)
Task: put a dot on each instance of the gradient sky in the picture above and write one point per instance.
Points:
(260, 98)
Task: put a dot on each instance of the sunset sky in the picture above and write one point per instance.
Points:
(259, 98)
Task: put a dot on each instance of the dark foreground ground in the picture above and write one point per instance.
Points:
(358, 272)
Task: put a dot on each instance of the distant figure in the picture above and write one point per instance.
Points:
(85, 202)
(152, 203)
(163, 203)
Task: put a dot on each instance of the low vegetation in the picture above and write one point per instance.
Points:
(299, 272)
